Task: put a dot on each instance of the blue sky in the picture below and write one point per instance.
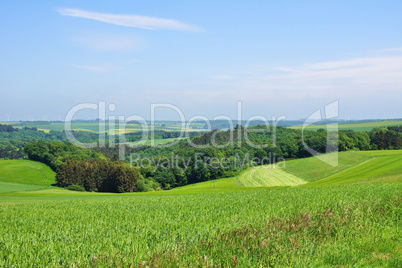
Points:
(277, 57)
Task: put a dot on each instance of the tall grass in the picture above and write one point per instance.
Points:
(346, 225)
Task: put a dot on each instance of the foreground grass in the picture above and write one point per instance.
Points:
(345, 225)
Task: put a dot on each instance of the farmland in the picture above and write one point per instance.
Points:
(93, 126)
(200, 134)
(26, 172)
(222, 222)
(365, 126)
(268, 176)
(169, 230)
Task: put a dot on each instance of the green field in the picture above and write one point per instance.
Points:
(26, 172)
(223, 223)
(93, 126)
(383, 168)
(287, 227)
(268, 176)
(367, 126)
(312, 169)
(9, 187)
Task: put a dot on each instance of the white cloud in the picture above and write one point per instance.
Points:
(136, 21)
(364, 77)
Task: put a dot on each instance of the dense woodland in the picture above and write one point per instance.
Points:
(97, 175)
(183, 164)
(213, 155)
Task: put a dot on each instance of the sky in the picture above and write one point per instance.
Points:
(276, 58)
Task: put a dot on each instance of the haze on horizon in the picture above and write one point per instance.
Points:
(278, 58)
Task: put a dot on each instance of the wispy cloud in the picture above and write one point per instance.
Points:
(221, 77)
(98, 69)
(136, 21)
(367, 77)
(395, 49)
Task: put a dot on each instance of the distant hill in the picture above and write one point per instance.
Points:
(357, 126)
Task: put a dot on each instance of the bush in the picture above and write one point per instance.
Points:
(141, 186)
(74, 187)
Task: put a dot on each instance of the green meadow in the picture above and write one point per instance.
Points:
(26, 172)
(302, 213)
(366, 126)
(268, 176)
(93, 126)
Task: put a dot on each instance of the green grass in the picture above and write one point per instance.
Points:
(348, 225)
(267, 176)
(214, 186)
(381, 167)
(312, 169)
(9, 187)
(381, 152)
(94, 126)
(26, 172)
(367, 126)
(214, 223)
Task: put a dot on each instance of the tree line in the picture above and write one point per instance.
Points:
(230, 153)
(97, 175)
(213, 163)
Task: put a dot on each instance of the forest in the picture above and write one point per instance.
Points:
(212, 155)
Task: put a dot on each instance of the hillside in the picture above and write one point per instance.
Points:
(24, 175)
(26, 172)
(267, 176)
(353, 167)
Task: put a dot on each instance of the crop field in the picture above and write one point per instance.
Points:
(341, 219)
(26, 172)
(366, 126)
(381, 152)
(93, 126)
(268, 176)
(381, 167)
(290, 227)
(9, 187)
(312, 169)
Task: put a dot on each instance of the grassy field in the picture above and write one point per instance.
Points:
(9, 187)
(286, 227)
(367, 126)
(350, 222)
(312, 169)
(382, 167)
(93, 126)
(26, 172)
(267, 176)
